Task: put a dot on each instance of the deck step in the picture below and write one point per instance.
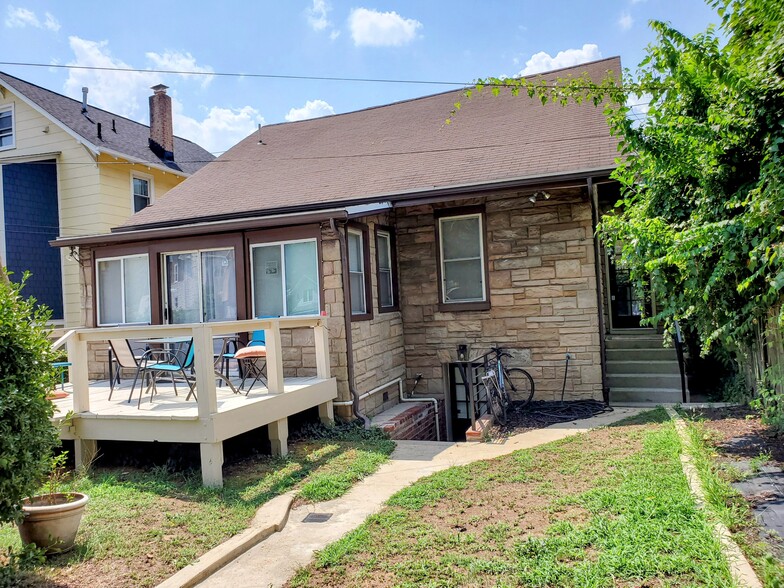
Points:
(653, 341)
(627, 380)
(657, 354)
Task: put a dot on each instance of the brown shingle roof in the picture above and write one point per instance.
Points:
(130, 138)
(394, 150)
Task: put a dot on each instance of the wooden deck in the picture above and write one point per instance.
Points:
(87, 415)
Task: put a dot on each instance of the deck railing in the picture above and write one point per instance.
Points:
(202, 334)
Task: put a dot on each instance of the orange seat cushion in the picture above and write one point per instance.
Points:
(251, 352)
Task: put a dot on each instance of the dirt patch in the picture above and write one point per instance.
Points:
(741, 434)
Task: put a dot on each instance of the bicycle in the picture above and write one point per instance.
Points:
(504, 385)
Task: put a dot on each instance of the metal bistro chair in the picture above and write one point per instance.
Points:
(253, 360)
(156, 362)
(124, 357)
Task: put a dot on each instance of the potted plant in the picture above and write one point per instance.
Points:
(51, 519)
(27, 434)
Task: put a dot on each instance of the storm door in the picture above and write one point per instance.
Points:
(628, 303)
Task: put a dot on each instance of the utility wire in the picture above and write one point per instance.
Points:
(501, 84)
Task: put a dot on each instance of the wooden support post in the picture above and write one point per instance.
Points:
(207, 398)
(212, 464)
(327, 413)
(274, 359)
(279, 437)
(321, 338)
(77, 355)
(85, 451)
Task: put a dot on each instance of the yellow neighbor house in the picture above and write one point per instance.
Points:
(68, 169)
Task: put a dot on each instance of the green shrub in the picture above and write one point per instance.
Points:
(27, 435)
(770, 405)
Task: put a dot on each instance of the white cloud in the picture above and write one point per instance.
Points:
(542, 61)
(220, 129)
(126, 93)
(23, 17)
(625, 21)
(50, 22)
(381, 29)
(317, 15)
(334, 35)
(175, 61)
(312, 109)
(638, 107)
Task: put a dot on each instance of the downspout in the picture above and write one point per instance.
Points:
(597, 253)
(347, 324)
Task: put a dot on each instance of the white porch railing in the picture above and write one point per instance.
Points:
(211, 427)
(203, 362)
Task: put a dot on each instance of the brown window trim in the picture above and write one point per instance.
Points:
(393, 264)
(438, 214)
(363, 229)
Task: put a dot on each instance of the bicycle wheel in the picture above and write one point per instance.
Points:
(518, 385)
(495, 404)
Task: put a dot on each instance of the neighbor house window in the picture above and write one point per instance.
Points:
(285, 279)
(123, 288)
(141, 189)
(7, 127)
(461, 248)
(385, 268)
(357, 270)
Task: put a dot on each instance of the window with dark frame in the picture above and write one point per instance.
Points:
(386, 270)
(462, 259)
(141, 193)
(358, 267)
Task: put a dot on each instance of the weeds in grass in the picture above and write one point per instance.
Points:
(635, 523)
(163, 520)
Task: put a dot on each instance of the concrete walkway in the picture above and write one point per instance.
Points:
(274, 561)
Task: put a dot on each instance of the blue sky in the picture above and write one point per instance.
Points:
(429, 40)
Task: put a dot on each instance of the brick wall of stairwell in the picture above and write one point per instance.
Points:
(409, 421)
(542, 280)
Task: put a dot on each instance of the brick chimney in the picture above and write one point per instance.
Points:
(161, 133)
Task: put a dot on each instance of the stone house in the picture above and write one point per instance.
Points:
(68, 168)
(412, 236)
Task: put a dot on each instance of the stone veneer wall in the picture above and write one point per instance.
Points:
(542, 282)
(378, 350)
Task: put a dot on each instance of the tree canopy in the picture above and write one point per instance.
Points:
(701, 219)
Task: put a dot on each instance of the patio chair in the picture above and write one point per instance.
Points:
(123, 356)
(157, 362)
(252, 360)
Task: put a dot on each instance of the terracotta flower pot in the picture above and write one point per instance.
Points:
(52, 520)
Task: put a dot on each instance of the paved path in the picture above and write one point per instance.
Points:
(274, 561)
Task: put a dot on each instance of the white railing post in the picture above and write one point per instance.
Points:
(274, 358)
(77, 356)
(203, 360)
(321, 338)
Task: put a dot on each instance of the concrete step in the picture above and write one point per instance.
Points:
(652, 341)
(619, 395)
(644, 380)
(654, 354)
(669, 366)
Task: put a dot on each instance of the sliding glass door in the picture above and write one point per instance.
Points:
(200, 286)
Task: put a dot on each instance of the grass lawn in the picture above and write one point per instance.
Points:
(607, 508)
(142, 526)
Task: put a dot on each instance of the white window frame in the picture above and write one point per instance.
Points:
(482, 258)
(150, 189)
(165, 278)
(10, 108)
(120, 258)
(281, 244)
